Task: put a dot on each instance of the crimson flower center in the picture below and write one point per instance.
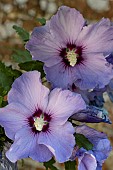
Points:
(71, 55)
(39, 121)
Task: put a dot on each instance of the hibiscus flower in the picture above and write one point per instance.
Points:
(72, 52)
(37, 120)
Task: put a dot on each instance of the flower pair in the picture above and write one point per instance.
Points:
(36, 118)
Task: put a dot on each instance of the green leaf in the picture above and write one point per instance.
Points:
(13, 73)
(82, 141)
(42, 21)
(70, 165)
(2, 92)
(1, 99)
(49, 165)
(24, 35)
(5, 80)
(32, 65)
(7, 76)
(21, 56)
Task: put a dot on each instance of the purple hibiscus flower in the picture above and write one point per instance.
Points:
(92, 159)
(73, 52)
(36, 119)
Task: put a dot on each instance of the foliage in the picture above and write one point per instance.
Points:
(70, 165)
(42, 21)
(32, 65)
(21, 56)
(7, 76)
(49, 165)
(82, 141)
(24, 35)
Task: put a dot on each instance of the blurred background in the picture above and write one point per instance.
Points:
(24, 13)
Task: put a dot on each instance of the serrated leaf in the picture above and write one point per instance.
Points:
(70, 165)
(5, 80)
(21, 56)
(24, 35)
(32, 65)
(49, 165)
(7, 76)
(82, 141)
(42, 21)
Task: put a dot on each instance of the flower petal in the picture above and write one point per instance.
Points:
(87, 162)
(43, 46)
(60, 142)
(94, 72)
(41, 153)
(13, 117)
(67, 24)
(90, 133)
(102, 149)
(25, 145)
(60, 76)
(62, 104)
(97, 37)
(28, 90)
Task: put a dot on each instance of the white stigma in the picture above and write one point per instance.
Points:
(72, 57)
(39, 122)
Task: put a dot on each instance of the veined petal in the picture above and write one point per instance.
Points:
(93, 135)
(60, 142)
(87, 162)
(43, 46)
(13, 117)
(67, 24)
(94, 72)
(41, 153)
(28, 90)
(25, 145)
(97, 38)
(60, 76)
(63, 103)
(22, 146)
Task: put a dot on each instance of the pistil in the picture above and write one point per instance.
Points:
(39, 122)
(71, 55)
